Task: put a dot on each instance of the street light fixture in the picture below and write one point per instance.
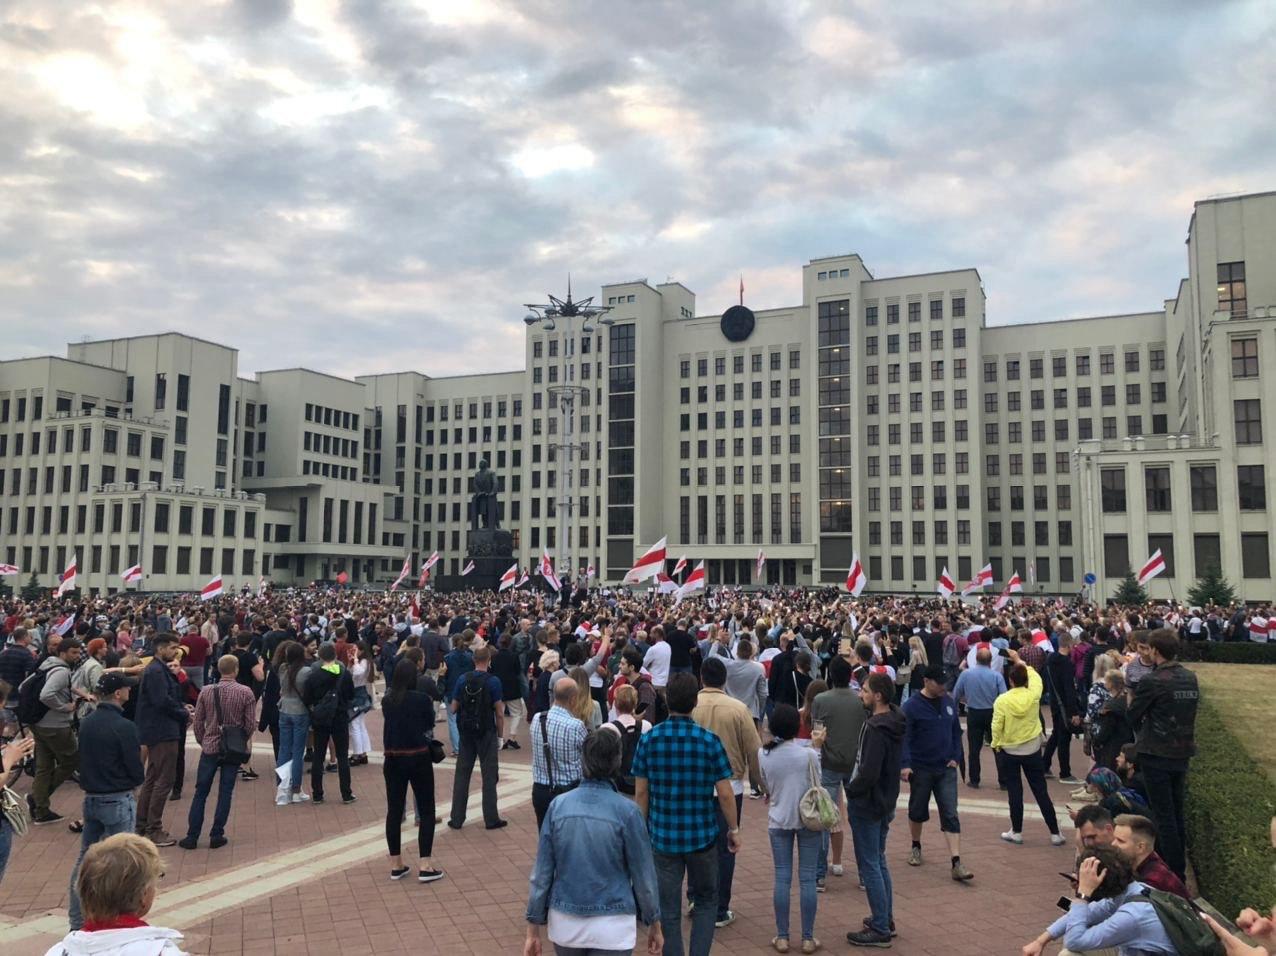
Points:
(565, 393)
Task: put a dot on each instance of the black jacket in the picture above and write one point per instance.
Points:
(505, 667)
(316, 684)
(874, 787)
(1163, 712)
(1061, 680)
(161, 716)
(110, 752)
(1111, 731)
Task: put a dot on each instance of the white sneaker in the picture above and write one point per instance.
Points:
(1056, 839)
(300, 797)
(1010, 836)
(835, 869)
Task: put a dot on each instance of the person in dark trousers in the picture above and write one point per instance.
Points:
(1163, 714)
(408, 712)
(505, 668)
(161, 721)
(1065, 711)
(479, 712)
(110, 770)
(978, 687)
(329, 722)
(932, 751)
(871, 796)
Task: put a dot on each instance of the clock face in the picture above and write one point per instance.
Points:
(737, 323)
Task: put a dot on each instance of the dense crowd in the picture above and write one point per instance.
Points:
(650, 722)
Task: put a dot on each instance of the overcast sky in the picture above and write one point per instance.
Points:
(368, 186)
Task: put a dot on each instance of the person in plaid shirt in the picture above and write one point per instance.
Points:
(681, 774)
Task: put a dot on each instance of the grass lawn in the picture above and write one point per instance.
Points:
(1241, 693)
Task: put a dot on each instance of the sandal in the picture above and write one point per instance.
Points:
(780, 944)
(76, 826)
(810, 945)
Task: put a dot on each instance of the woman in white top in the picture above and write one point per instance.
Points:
(626, 703)
(587, 710)
(787, 770)
(363, 673)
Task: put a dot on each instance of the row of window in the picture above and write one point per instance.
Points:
(586, 346)
(1059, 365)
(737, 391)
(915, 341)
(737, 475)
(1206, 551)
(329, 445)
(936, 310)
(332, 417)
(160, 523)
(43, 560)
(754, 529)
(776, 362)
(458, 409)
(1251, 488)
(737, 418)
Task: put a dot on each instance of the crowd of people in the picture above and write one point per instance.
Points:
(649, 722)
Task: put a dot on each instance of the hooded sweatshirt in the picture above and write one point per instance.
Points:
(874, 787)
(135, 941)
(1016, 715)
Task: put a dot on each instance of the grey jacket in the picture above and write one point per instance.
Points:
(746, 682)
(56, 694)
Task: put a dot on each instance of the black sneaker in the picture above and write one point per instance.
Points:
(869, 937)
(216, 843)
(188, 843)
(316, 800)
(429, 876)
(175, 795)
(49, 817)
(497, 825)
(867, 919)
(454, 825)
(350, 799)
(330, 768)
(514, 745)
(399, 872)
(247, 775)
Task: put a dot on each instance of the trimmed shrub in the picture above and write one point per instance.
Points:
(1228, 652)
(1230, 804)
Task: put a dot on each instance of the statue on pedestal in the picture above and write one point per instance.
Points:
(483, 509)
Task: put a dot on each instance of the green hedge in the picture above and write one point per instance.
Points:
(1230, 652)
(1230, 804)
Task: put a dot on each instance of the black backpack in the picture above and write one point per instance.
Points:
(474, 717)
(323, 707)
(624, 780)
(1190, 934)
(30, 709)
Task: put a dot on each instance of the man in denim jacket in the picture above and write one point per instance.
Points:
(599, 839)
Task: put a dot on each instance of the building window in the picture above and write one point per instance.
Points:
(1157, 482)
(1244, 358)
(1249, 421)
(1116, 555)
(1204, 480)
(1251, 487)
(1207, 553)
(1255, 556)
(1112, 482)
(1231, 288)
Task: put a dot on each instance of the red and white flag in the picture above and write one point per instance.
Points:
(8, 569)
(132, 574)
(856, 579)
(680, 566)
(403, 573)
(648, 564)
(946, 586)
(761, 564)
(696, 581)
(589, 572)
(67, 581)
(1042, 640)
(508, 578)
(1260, 628)
(665, 584)
(523, 579)
(1013, 586)
(1155, 565)
(212, 589)
(64, 627)
(547, 572)
(980, 581)
(425, 570)
(469, 566)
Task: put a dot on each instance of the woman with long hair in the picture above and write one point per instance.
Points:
(813, 689)
(408, 712)
(787, 770)
(364, 674)
(585, 708)
(917, 658)
(294, 722)
(269, 720)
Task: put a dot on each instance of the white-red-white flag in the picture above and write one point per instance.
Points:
(696, 581)
(680, 566)
(547, 572)
(132, 574)
(980, 581)
(469, 566)
(1260, 628)
(589, 572)
(508, 578)
(1013, 586)
(212, 589)
(65, 626)
(403, 573)
(648, 564)
(856, 579)
(67, 581)
(665, 584)
(1042, 640)
(1152, 567)
(523, 579)
(946, 585)
(7, 569)
(761, 564)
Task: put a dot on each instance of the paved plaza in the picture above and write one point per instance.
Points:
(306, 879)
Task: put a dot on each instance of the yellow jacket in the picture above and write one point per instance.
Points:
(1016, 714)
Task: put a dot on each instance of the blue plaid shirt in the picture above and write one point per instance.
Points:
(682, 763)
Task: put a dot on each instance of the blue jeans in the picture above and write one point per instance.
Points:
(292, 745)
(6, 842)
(726, 859)
(943, 784)
(869, 834)
(808, 846)
(453, 732)
(702, 883)
(105, 814)
(209, 767)
(833, 782)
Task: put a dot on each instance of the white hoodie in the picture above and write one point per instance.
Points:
(140, 941)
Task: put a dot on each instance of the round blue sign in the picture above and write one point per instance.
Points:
(1090, 578)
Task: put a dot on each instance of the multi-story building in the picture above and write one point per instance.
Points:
(882, 416)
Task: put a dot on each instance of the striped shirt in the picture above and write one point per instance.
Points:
(682, 763)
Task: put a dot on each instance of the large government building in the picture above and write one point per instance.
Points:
(881, 415)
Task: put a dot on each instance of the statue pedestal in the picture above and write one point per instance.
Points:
(492, 551)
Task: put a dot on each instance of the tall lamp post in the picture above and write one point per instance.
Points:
(565, 393)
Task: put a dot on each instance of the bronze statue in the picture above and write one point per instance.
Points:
(483, 506)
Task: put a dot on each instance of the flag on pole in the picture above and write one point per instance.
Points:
(696, 581)
(680, 566)
(508, 578)
(855, 577)
(8, 569)
(431, 561)
(589, 572)
(212, 589)
(1032, 574)
(981, 580)
(469, 566)
(547, 572)
(648, 564)
(1042, 640)
(1155, 565)
(523, 579)
(65, 626)
(403, 573)
(1260, 628)
(132, 574)
(261, 585)
(665, 584)
(946, 586)
(67, 581)
(1013, 586)
(761, 564)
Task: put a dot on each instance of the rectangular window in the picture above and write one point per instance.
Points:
(1251, 487)
(1244, 358)
(1207, 553)
(1255, 556)
(1116, 555)
(1112, 481)
(1248, 417)
(1204, 479)
(1157, 482)
(1231, 288)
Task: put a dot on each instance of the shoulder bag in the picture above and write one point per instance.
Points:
(816, 808)
(234, 748)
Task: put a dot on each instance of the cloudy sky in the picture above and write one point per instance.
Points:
(371, 185)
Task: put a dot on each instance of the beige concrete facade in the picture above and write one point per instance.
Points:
(882, 415)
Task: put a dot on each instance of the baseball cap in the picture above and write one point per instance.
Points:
(108, 683)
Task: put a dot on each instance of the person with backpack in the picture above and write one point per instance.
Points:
(328, 690)
(630, 728)
(47, 704)
(458, 662)
(1113, 910)
(479, 712)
